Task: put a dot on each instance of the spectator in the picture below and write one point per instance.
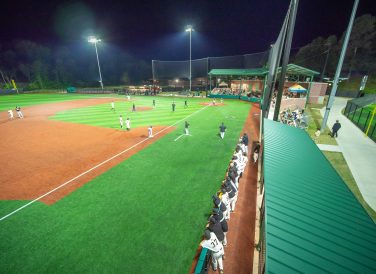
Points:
(335, 128)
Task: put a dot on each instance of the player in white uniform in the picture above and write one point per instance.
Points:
(19, 112)
(212, 243)
(121, 121)
(150, 131)
(11, 116)
(112, 105)
(128, 124)
(226, 200)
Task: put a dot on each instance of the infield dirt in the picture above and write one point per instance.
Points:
(38, 154)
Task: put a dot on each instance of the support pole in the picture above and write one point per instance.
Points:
(99, 67)
(339, 67)
(285, 60)
(325, 64)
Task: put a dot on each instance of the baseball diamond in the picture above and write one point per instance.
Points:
(78, 189)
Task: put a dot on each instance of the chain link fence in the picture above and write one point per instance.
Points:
(362, 116)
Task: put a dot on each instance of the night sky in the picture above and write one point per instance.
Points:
(155, 29)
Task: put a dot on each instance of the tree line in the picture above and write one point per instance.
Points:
(39, 66)
(322, 53)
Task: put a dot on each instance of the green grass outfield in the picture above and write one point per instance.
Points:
(146, 215)
(23, 100)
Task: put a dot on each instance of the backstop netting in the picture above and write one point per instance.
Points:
(201, 67)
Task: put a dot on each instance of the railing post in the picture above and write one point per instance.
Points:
(360, 115)
(366, 123)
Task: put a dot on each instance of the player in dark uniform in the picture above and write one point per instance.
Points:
(173, 106)
(185, 104)
(134, 107)
(222, 130)
(186, 128)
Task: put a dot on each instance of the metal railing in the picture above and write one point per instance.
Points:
(362, 118)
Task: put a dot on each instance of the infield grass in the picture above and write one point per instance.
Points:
(145, 215)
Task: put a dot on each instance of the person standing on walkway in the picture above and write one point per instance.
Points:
(335, 128)
(222, 130)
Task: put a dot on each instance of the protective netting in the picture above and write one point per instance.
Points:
(201, 67)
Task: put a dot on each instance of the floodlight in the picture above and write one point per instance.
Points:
(189, 28)
(93, 39)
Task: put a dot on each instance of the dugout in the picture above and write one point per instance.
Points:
(249, 84)
(310, 221)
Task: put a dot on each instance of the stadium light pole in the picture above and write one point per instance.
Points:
(189, 29)
(94, 40)
(339, 67)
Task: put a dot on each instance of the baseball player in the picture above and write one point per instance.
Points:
(222, 130)
(245, 140)
(113, 105)
(186, 128)
(211, 242)
(256, 152)
(173, 106)
(185, 104)
(153, 103)
(19, 112)
(235, 190)
(150, 131)
(128, 124)
(226, 200)
(11, 116)
(121, 121)
(134, 107)
(218, 215)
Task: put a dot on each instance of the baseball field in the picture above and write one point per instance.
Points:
(78, 194)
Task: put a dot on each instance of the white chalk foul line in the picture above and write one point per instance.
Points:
(182, 136)
(93, 168)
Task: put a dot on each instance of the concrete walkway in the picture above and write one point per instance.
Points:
(329, 148)
(358, 150)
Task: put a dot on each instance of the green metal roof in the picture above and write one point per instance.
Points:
(298, 70)
(239, 72)
(291, 69)
(314, 223)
